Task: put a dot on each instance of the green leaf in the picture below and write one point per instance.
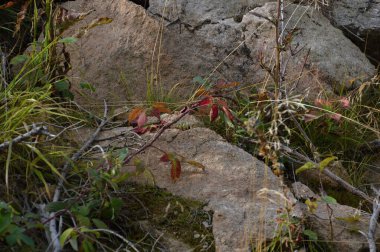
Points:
(228, 121)
(87, 246)
(65, 235)
(83, 221)
(140, 166)
(40, 155)
(198, 80)
(112, 208)
(56, 206)
(19, 59)
(310, 234)
(329, 200)
(3, 205)
(74, 243)
(325, 162)
(149, 175)
(11, 239)
(84, 210)
(117, 204)
(196, 164)
(68, 40)
(121, 178)
(67, 94)
(123, 153)
(42, 179)
(5, 221)
(15, 234)
(312, 205)
(99, 224)
(88, 86)
(307, 166)
(27, 240)
(62, 85)
(350, 219)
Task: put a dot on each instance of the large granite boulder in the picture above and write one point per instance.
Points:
(144, 50)
(243, 193)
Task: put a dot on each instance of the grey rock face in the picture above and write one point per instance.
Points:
(140, 49)
(242, 192)
(360, 21)
(195, 13)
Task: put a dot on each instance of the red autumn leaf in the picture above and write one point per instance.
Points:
(222, 103)
(175, 171)
(204, 102)
(228, 113)
(156, 113)
(141, 131)
(142, 120)
(214, 111)
(165, 158)
(134, 114)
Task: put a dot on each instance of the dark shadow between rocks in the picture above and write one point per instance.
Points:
(143, 3)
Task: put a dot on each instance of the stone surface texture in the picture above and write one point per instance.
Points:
(230, 185)
(166, 47)
(336, 223)
(360, 21)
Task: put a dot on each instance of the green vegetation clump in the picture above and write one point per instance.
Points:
(183, 219)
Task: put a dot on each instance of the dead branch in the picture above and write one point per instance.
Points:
(41, 130)
(373, 224)
(54, 233)
(3, 69)
(330, 174)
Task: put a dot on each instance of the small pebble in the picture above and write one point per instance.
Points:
(205, 224)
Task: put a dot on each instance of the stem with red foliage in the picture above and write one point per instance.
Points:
(182, 114)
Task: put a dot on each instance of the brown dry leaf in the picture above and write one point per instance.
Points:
(21, 16)
(227, 85)
(196, 164)
(64, 18)
(161, 107)
(201, 92)
(134, 114)
(96, 22)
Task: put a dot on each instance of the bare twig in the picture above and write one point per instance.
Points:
(330, 174)
(184, 112)
(41, 130)
(373, 222)
(3, 69)
(54, 233)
